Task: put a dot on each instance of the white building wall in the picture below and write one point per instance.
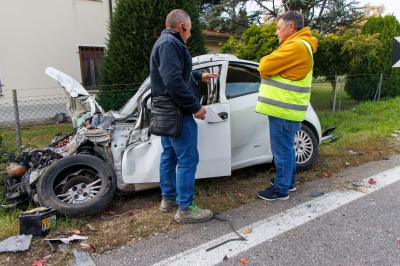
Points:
(41, 33)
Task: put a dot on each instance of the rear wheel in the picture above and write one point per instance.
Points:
(77, 185)
(306, 146)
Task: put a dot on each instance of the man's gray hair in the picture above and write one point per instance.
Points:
(294, 17)
(176, 16)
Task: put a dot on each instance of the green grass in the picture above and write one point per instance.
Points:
(366, 127)
(35, 137)
(321, 96)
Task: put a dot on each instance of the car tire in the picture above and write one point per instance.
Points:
(306, 146)
(77, 185)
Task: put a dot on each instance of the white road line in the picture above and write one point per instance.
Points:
(278, 224)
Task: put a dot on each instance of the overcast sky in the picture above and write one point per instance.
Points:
(391, 6)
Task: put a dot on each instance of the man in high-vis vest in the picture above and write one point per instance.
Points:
(284, 96)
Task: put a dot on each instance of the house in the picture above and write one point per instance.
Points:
(215, 40)
(68, 35)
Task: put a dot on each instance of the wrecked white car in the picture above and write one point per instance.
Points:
(79, 174)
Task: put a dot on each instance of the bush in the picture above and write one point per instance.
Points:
(371, 52)
(255, 42)
(135, 27)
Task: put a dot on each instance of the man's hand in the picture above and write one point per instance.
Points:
(201, 114)
(205, 77)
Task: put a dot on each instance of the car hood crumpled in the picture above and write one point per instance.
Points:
(79, 102)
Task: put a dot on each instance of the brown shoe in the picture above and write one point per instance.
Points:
(193, 214)
(167, 205)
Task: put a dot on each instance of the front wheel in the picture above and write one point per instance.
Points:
(306, 146)
(77, 185)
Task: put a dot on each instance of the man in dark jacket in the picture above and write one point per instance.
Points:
(171, 75)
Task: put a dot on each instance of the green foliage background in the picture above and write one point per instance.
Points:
(135, 26)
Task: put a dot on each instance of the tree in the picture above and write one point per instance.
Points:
(227, 15)
(135, 27)
(255, 42)
(326, 16)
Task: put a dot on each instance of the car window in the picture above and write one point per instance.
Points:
(209, 92)
(241, 80)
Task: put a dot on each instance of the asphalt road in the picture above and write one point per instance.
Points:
(342, 227)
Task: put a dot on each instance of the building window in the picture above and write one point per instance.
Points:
(90, 58)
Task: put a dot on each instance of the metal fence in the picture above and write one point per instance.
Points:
(32, 111)
(328, 93)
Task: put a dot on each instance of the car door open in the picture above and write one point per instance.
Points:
(214, 139)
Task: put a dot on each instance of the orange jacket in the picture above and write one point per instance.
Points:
(291, 60)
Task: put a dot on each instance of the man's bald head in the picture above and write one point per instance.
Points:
(175, 17)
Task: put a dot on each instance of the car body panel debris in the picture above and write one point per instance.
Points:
(82, 259)
(66, 240)
(16, 243)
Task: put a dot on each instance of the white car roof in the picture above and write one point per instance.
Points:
(218, 57)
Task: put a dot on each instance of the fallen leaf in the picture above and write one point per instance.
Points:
(247, 231)
(92, 245)
(239, 194)
(225, 258)
(371, 181)
(41, 261)
(361, 189)
(244, 260)
(91, 228)
(74, 231)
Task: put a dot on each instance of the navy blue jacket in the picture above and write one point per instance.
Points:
(171, 72)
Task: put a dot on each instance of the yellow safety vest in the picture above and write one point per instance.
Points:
(285, 98)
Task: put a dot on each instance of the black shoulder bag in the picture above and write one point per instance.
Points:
(165, 117)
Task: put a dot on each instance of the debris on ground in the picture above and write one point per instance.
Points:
(38, 221)
(317, 194)
(52, 248)
(225, 258)
(88, 246)
(41, 261)
(65, 239)
(74, 232)
(398, 241)
(357, 153)
(396, 134)
(90, 227)
(16, 243)
(82, 259)
(247, 231)
(371, 181)
(62, 248)
(360, 186)
(244, 260)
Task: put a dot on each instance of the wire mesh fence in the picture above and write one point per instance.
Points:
(329, 93)
(34, 111)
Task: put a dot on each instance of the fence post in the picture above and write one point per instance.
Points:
(334, 94)
(17, 124)
(380, 86)
(341, 93)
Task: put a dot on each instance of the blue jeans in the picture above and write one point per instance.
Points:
(282, 133)
(178, 164)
